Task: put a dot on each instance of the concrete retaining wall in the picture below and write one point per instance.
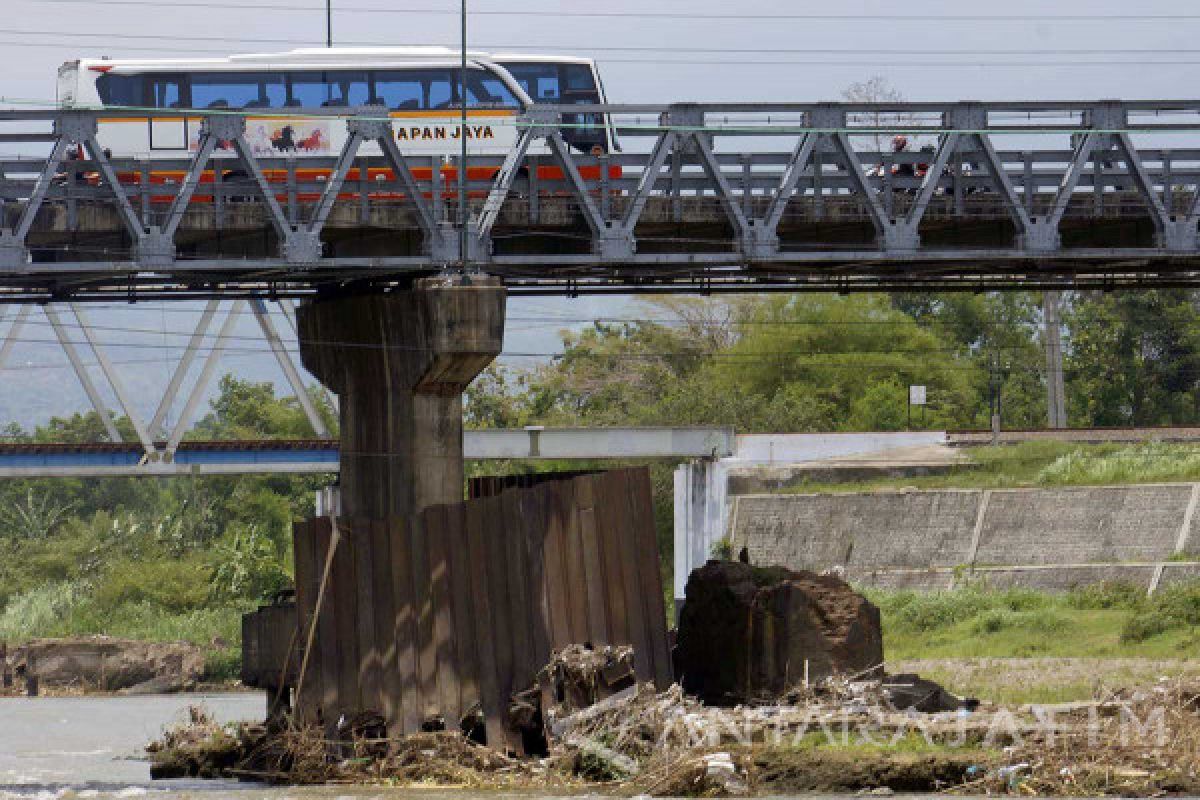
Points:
(1044, 538)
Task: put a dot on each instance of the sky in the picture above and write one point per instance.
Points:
(649, 51)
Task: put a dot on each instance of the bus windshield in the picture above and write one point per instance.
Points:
(563, 84)
(555, 83)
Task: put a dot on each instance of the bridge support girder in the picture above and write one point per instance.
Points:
(13, 254)
(1181, 236)
(154, 249)
(900, 236)
(400, 362)
(1042, 236)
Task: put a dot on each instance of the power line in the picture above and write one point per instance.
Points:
(855, 62)
(176, 37)
(923, 20)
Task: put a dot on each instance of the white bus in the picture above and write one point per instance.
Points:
(419, 87)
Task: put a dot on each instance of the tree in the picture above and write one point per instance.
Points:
(250, 410)
(993, 330)
(1133, 358)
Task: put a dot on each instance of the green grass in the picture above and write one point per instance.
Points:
(999, 644)
(1046, 463)
(1103, 621)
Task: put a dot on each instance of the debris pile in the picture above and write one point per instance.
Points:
(1126, 743)
(749, 634)
(198, 748)
(836, 735)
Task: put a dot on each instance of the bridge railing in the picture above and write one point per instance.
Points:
(748, 176)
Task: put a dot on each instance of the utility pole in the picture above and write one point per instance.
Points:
(994, 385)
(462, 136)
(1056, 404)
(329, 23)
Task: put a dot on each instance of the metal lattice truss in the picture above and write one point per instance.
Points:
(76, 336)
(714, 196)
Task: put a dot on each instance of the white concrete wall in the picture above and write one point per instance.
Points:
(796, 448)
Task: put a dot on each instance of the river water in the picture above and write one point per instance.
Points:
(92, 747)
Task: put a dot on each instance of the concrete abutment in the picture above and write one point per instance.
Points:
(400, 362)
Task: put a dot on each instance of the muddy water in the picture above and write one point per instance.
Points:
(91, 747)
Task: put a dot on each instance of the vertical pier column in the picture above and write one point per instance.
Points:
(399, 363)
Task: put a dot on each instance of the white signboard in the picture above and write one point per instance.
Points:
(916, 395)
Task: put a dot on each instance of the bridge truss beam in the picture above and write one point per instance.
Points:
(159, 439)
(733, 196)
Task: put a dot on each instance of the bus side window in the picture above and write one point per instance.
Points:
(350, 89)
(399, 90)
(441, 95)
(167, 91)
(309, 89)
(274, 90)
(121, 90)
(486, 89)
(231, 89)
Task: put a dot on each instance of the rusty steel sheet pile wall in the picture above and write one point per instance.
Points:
(460, 606)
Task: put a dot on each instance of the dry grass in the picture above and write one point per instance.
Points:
(1045, 680)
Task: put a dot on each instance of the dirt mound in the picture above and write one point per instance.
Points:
(106, 664)
(750, 634)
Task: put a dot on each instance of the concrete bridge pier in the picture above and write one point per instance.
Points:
(400, 362)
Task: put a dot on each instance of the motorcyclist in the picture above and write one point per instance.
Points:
(900, 145)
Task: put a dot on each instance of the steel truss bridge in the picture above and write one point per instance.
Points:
(703, 198)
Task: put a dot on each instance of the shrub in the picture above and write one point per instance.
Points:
(1141, 627)
(170, 584)
(1171, 608)
(1106, 595)
(1037, 621)
(38, 610)
(927, 612)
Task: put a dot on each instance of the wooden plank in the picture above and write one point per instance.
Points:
(609, 493)
(345, 638)
(533, 513)
(499, 593)
(423, 607)
(443, 614)
(324, 646)
(369, 684)
(385, 620)
(406, 626)
(573, 559)
(588, 545)
(484, 640)
(462, 607)
(641, 500)
(308, 696)
(520, 579)
(619, 490)
(557, 589)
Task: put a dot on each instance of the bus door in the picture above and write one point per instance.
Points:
(168, 91)
(585, 132)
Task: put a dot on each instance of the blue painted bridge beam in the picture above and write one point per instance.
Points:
(317, 456)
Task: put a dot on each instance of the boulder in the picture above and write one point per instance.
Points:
(749, 634)
(108, 664)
